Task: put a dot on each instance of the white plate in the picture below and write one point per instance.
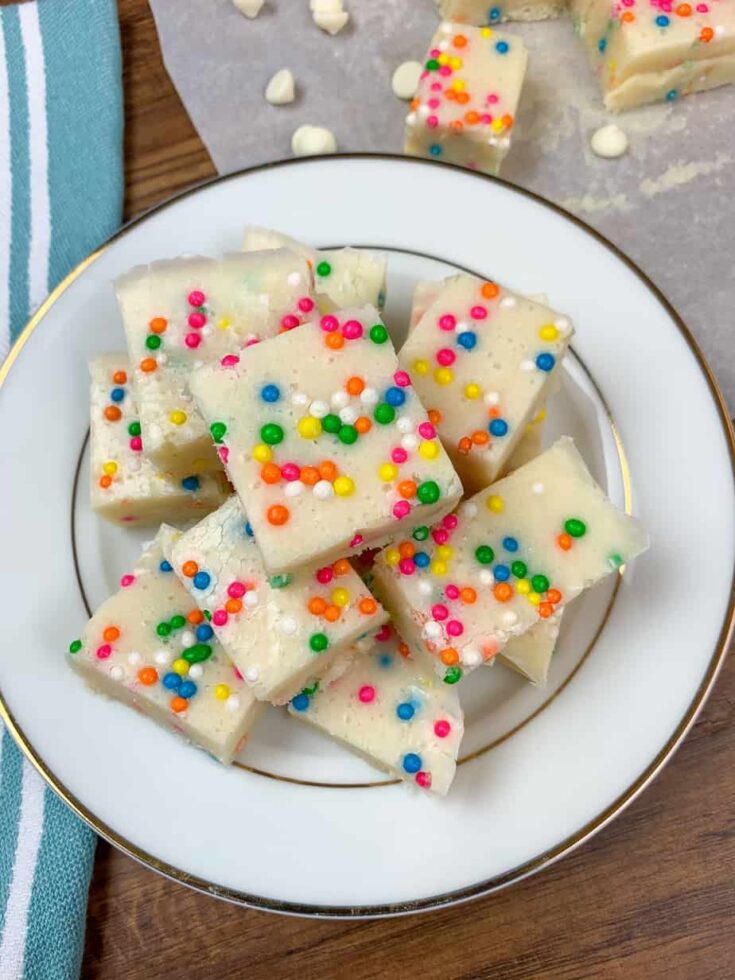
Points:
(299, 825)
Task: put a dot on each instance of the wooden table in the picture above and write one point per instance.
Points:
(651, 896)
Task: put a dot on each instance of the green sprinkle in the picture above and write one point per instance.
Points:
(616, 560)
(519, 569)
(575, 527)
(331, 423)
(384, 414)
(378, 334)
(75, 646)
(153, 341)
(324, 269)
(540, 584)
(207, 615)
(452, 675)
(420, 533)
(311, 691)
(271, 434)
(197, 654)
(163, 629)
(484, 554)
(176, 622)
(428, 492)
(134, 429)
(218, 430)
(318, 642)
(432, 64)
(347, 434)
(280, 581)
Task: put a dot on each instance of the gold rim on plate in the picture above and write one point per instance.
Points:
(541, 860)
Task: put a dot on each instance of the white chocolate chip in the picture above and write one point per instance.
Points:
(406, 79)
(609, 142)
(251, 8)
(281, 89)
(329, 15)
(309, 141)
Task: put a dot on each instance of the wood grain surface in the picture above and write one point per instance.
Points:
(651, 896)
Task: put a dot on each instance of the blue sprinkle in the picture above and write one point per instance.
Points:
(171, 681)
(248, 529)
(602, 44)
(204, 632)
(300, 702)
(395, 397)
(190, 483)
(672, 96)
(411, 762)
(270, 393)
(405, 711)
(188, 689)
(468, 339)
(501, 573)
(494, 14)
(498, 427)
(421, 559)
(502, 47)
(435, 150)
(545, 362)
(385, 660)
(510, 544)
(662, 20)
(201, 580)
(165, 566)
(381, 299)
(117, 394)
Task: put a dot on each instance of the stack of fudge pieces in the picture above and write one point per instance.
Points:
(394, 524)
(643, 51)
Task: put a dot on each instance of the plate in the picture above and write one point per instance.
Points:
(299, 825)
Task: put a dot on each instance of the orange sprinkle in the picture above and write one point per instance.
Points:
(415, 103)
(628, 17)
(503, 592)
(407, 489)
(545, 610)
(332, 614)
(554, 596)
(158, 324)
(179, 704)
(494, 412)
(341, 567)
(449, 656)
(190, 568)
(113, 413)
(111, 634)
(489, 290)
(435, 416)
(706, 34)
(327, 470)
(406, 549)
(309, 475)
(463, 98)
(278, 514)
(334, 341)
(684, 10)
(508, 120)
(148, 364)
(120, 377)
(363, 424)
(489, 649)
(472, 117)
(317, 606)
(270, 473)
(368, 606)
(450, 94)
(105, 481)
(480, 437)
(464, 445)
(564, 541)
(233, 605)
(460, 41)
(195, 617)
(403, 649)
(148, 675)
(468, 595)
(355, 386)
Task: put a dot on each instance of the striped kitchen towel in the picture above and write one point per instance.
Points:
(61, 190)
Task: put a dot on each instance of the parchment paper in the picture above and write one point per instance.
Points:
(670, 204)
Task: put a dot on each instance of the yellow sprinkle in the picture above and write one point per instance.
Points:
(443, 58)
(198, 465)
(387, 472)
(110, 467)
(262, 453)
(438, 568)
(455, 63)
(472, 390)
(340, 597)
(443, 376)
(223, 323)
(344, 486)
(421, 366)
(534, 598)
(392, 557)
(459, 85)
(180, 667)
(444, 552)
(497, 125)
(429, 449)
(495, 504)
(222, 692)
(486, 32)
(178, 417)
(523, 586)
(309, 427)
(548, 332)
(540, 417)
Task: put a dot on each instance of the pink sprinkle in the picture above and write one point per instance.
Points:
(329, 323)
(196, 298)
(127, 580)
(433, 103)
(290, 472)
(237, 673)
(289, 321)
(224, 453)
(407, 566)
(432, 122)
(366, 693)
(702, 8)
(442, 728)
(427, 430)
(305, 304)
(192, 340)
(325, 575)
(423, 779)
(104, 651)
(478, 312)
(401, 509)
(352, 330)
(251, 341)
(230, 360)
(486, 118)
(196, 320)
(399, 455)
(384, 633)
(445, 70)
(445, 357)
(357, 541)
(435, 86)
(493, 98)
(236, 590)
(402, 379)
(455, 628)
(452, 592)
(439, 611)
(450, 522)
(434, 53)
(220, 617)
(440, 536)
(136, 444)
(447, 322)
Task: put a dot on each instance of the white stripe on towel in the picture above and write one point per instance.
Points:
(6, 196)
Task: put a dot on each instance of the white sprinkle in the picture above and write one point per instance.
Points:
(348, 415)
(162, 657)
(294, 488)
(117, 673)
(410, 118)
(299, 399)
(134, 464)
(233, 703)
(443, 45)
(471, 657)
(486, 577)
(188, 639)
(196, 672)
(563, 324)
(469, 510)
(288, 625)
(323, 490)
(404, 425)
(294, 278)
(609, 142)
(538, 488)
(509, 618)
(446, 27)
(369, 396)
(492, 398)
(134, 658)
(409, 442)
(318, 409)
(508, 302)
(281, 89)
(206, 331)
(406, 79)
(528, 366)
(251, 674)
(423, 111)
(461, 326)
(163, 358)
(250, 599)
(432, 629)
(339, 399)
(425, 587)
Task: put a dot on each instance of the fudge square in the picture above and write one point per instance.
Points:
(342, 276)
(283, 631)
(484, 360)
(649, 50)
(466, 101)
(325, 440)
(152, 648)
(513, 555)
(393, 711)
(126, 487)
(180, 313)
(486, 12)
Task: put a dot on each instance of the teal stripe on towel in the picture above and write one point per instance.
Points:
(11, 778)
